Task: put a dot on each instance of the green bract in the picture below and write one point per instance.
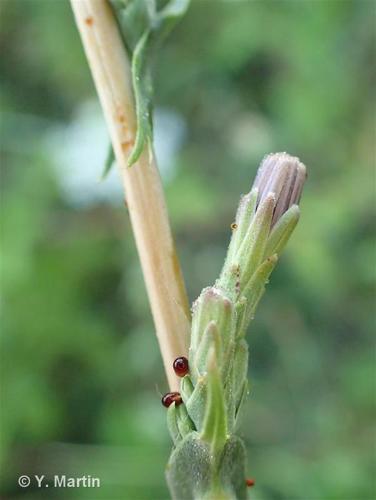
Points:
(209, 460)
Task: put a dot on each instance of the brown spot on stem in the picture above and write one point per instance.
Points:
(250, 482)
(89, 21)
(234, 226)
(121, 118)
(126, 145)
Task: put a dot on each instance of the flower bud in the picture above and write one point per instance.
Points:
(284, 176)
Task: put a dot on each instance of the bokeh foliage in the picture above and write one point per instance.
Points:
(81, 371)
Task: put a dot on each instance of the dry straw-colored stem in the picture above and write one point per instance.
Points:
(110, 68)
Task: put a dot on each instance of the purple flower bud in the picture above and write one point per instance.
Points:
(284, 176)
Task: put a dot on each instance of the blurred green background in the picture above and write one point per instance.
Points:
(81, 372)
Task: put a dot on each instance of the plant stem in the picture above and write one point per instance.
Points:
(109, 65)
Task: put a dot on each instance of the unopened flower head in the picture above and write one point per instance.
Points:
(282, 175)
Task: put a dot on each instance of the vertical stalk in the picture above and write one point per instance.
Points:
(111, 72)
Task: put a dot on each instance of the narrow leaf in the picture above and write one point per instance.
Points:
(172, 424)
(215, 423)
(253, 292)
(185, 424)
(252, 249)
(142, 92)
(110, 158)
(281, 232)
(186, 388)
(243, 219)
(196, 403)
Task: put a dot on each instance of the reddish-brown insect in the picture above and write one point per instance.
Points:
(181, 366)
(250, 482)
(171, 397)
